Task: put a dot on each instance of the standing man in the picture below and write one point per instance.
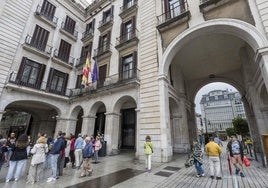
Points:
(58, 146)
(78, 150)
(235, 149)
(218, 140)
(87, 154)
(213, 151)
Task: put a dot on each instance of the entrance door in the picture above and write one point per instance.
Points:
(99, 124)
(128, 128)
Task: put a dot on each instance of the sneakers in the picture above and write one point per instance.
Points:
(218, 178)
(242, 174)
(7, 180)
(237, 171)
(212, 177)
(16, 179)
(200, 175)
(51, 179)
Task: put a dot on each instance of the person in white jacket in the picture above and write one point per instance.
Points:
(39, 156)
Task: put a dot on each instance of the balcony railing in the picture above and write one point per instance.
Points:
(47, 15)
(102, 50)
(175, 11)
(81, 61)
(128, 5)
(205, 3)
(88, 33)
(67, 59)
(38, 85)
(34, 42)
(114, 81)
(133, 33)
(106, 21)
(72, 31)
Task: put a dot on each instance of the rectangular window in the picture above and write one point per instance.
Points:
(107, 15)
(69, 25)
(40, 37)
(128, 66)
(102, 75)
(84, 52)
(90, 27)
(30, 73)
(48, 10)
(79, 81)
(64, 51)
(174, 8)
(128, 3)
(57, 81)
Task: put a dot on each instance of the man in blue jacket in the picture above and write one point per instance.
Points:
(87, 154)
(54, 154)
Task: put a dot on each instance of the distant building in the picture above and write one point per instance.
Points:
(219, 108)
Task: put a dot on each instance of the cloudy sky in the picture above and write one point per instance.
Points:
(208, 88)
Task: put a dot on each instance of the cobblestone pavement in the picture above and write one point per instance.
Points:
(124, 171)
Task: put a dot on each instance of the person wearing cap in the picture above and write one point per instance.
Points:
(235, 149)
(39, 151)
(213, 150)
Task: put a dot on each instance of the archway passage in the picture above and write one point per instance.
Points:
(212, 53)
(79, 122)
(99, 128)
(29, 117)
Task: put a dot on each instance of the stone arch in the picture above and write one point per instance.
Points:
(75, 111)
(96, 106)
(264, 95)
(123, 100)
(233, 27)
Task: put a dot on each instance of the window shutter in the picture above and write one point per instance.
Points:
(40, 76)
(108, 39)
(112, 11)
(66, 76)
(78, 81)
(93, 25)
(49, 80)
(122, 32)
(120, 67)
(133, 25)
(22, 65)
(135, 59)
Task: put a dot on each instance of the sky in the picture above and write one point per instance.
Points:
(208, 88)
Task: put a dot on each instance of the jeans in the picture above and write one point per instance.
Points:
(54, 162)
(96, 155)
(214, 165)
(78, 157)
(34, 172)
(19, 167)
(198, 167)
(148, 162)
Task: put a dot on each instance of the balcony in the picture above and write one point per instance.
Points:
(175, 16)
(80, 61)
(103, 51)
(38, 47)
(206, 5)
(129, 9)
(127, 40)
(70, 32)
(123, 80)
(87, 35)
(46, 17)
(66, 61)
(106, 23)
(34, 85)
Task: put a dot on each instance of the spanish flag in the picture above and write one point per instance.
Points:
(86, 79)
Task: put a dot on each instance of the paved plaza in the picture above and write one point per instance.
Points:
(123, 170)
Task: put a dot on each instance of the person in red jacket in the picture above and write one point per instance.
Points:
(72, 150)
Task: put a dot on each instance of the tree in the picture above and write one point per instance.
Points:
(230, 131)
(241, 126)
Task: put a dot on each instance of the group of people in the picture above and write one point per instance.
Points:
(213, 149)
(54, 154)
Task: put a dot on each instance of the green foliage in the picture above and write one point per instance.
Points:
(230, 131)
(241, 126)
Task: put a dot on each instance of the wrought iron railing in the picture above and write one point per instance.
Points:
(67, 59)
(70, 30)
(175, 10)
(87, 33)
(102, 49)
(106, 20)
(47, 15)
(34, 83)
(110, 82)
(129, 5)
(38, 44)
(81, 60)
(127, 36)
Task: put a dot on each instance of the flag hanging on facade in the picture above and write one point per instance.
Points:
(94, 71)
(86, 79)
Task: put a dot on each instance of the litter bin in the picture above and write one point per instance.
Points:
(265, 145)
(103, 149)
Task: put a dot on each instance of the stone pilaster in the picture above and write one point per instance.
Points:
(65, 125)
(112, 132)
(88, 124)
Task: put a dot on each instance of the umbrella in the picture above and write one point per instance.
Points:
(229, 165)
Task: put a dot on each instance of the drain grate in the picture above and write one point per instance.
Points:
(172, 168)
(162, 173)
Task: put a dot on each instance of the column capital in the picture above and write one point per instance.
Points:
(163, 77)
(65, 119)
(90, 116)
(112, 114)
(260, 53)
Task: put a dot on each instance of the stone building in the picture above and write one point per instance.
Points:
(153, 57)
(219, 108)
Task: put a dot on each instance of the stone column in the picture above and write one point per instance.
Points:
(65, 125)
(88, 124)
(71, 126)
(166, 147)
(112, 132)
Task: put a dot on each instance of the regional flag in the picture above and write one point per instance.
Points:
(86, 79)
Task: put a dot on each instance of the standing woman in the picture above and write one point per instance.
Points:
(97, 147)
(39, 156)
(18, 158)
(148, 150)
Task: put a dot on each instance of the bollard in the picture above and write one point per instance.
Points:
(265, 145)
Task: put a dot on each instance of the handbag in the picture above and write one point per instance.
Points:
(246, 161)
